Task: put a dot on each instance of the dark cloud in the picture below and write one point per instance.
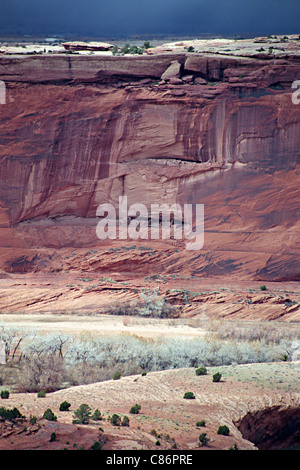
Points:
(118, 17)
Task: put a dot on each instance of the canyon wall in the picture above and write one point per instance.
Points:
(78, 131)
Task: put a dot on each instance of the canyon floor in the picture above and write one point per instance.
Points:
(265, 391)
(255, 401)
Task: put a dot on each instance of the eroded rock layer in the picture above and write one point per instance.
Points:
(79, 131)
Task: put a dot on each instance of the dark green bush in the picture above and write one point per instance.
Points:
(201, 371)
(117, 375)
(10, 414)
(53, 437)
(135, 409)
(115, 420)
(234, 447)
(134, 50)
(203, 439)
(96, 416)
(82, 414)
(284, 357)
(41, 394)
(33, 419)
(97, 445)
(200, 423)
(49, 415)
(4, 394)
(189, 395)
(64, 406)
(224, 430)
(263, 287)
(147, 45)
(217, 377)
(125, 421)
(125, 49)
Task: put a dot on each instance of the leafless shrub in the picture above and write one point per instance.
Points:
(50, 360)
(10, 341)
(150, 304)
(252, 331)
(45, 372)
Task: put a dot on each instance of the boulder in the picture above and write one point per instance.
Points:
(173, 71)
(175, 81)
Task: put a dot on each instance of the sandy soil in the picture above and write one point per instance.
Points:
(163, 408)
(101, 324)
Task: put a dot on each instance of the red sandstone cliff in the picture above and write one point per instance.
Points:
(77, 131)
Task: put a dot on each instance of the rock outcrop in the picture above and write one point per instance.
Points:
(173, 71)
(78, 131)
(87, 46)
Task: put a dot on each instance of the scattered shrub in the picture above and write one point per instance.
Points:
(115, 420)
(10, 414)
(33, 419)
(53, 437)
(224, 430)
(49, 415)
(189, 395)
(125, 49)
(125, 421)
(147, 44)
(97, 445)
(4, 394)
(157, 443)
(82, 414)
(217, 377)
(96, 416)
(203, 439)
(151, 304)
(263, 287)
(64, 406)
(234, 447)
(41, 394)
(200, 424)
(135, 409)
(117, 375)
(201, 371)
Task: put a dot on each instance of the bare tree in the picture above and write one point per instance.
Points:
(11, 338)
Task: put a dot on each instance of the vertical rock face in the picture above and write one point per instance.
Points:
(81, 131)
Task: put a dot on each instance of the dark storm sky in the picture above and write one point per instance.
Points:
(110, 18)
